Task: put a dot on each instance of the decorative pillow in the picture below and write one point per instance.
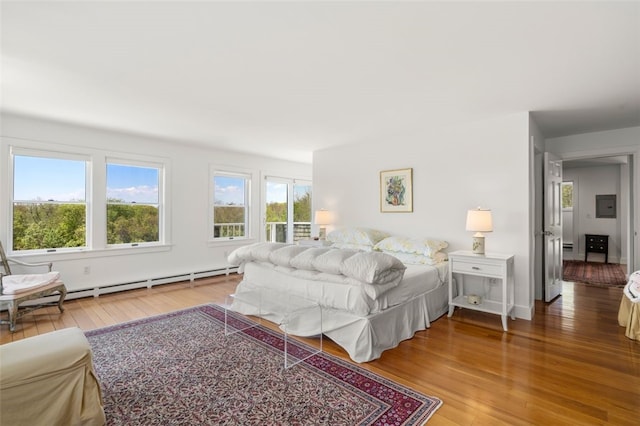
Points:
(417, 259)
(426, 247)
(359, 236)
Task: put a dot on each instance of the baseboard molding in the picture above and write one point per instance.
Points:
(132, 285)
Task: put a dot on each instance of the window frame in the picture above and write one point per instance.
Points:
(248, 177)
(53, 155)
(160, 204)
(572, 184)
(95, 197)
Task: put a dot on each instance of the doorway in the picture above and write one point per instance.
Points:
(585, 188)
(287, 210)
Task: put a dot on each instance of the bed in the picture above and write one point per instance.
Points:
(373, 295)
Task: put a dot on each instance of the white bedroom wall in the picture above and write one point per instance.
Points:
(189, 186)
(454, 169)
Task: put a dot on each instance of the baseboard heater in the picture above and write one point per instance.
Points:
(148, 283)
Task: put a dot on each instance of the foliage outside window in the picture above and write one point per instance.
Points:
(567, 195)
(49, 202)
(230, 205)
(277, 210)
(133, 203)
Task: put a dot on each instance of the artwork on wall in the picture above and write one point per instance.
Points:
(396, 191)
(606, 206)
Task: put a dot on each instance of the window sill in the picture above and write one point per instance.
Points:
(71, 254)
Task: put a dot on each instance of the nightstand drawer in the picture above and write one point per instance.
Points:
(477, 268)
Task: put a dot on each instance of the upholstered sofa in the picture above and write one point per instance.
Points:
(49, 380)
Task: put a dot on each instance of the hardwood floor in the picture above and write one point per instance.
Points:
(571, 365)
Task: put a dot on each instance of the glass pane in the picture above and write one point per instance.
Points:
(301, 212)
(567, 195)
(132, 184)
(38, 226)
(48, 179)
(132, 224)
(276, 226)
(229, 212)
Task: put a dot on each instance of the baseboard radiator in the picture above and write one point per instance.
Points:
(148, 283)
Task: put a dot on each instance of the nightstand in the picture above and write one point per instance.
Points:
(596, 244)
(490, 266)
(314, 243)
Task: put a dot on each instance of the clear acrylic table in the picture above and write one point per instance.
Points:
(284, 309)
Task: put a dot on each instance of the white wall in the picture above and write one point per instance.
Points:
(189, 249)
(454, 169)
(587, 183)
(607, 143)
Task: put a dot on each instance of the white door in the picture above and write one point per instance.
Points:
(552, 226)
(287, 210)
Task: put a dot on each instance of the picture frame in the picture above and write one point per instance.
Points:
(396, 191)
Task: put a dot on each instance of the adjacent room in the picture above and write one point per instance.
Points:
(346, 212)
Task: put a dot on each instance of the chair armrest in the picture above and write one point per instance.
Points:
(19, 262)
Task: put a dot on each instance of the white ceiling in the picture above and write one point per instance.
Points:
(285, 79)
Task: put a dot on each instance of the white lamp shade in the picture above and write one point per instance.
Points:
(323, 217)
(479, 220)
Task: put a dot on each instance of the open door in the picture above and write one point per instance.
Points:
(552, 226)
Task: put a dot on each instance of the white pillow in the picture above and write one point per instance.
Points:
(359, 236)
(417, 259)
(349, 246)
(426, 247)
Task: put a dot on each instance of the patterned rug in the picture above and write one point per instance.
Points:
(595, 273)
(180, 369)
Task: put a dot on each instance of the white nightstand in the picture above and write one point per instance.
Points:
(314, 243)
(488, 266)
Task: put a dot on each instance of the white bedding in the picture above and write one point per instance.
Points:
(362, 325)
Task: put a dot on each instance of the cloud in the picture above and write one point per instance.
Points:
(139, 194)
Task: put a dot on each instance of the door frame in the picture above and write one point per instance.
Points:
(633, 244)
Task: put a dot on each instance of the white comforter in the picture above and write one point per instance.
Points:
(375, 272)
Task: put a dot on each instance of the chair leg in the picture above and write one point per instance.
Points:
(63, 294)
(13, 315)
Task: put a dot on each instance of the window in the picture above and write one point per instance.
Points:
(230, 205)
(287, 209)
(88, 200)
(49, 208)
(567, 195)
(133, 203)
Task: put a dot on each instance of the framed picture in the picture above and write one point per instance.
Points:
(396, 191)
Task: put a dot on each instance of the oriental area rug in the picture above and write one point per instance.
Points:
(181, 369)
(595, 273)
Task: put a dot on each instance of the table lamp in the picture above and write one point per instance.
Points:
(479, 221)
(323, 217)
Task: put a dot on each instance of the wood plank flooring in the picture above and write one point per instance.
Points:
(571, 365)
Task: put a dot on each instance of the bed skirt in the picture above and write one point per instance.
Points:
(364, 338)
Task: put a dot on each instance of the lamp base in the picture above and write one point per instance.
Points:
(478, 244)
(323, 233)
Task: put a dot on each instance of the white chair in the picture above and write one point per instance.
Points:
(19, 288)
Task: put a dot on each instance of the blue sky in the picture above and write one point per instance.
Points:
(38, 178)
